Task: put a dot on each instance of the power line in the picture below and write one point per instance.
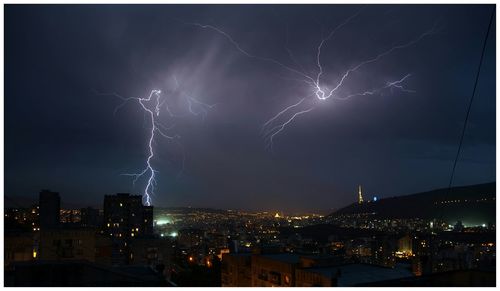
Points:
(470, 102)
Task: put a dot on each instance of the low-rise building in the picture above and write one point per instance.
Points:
(19, 247)
(293, 270)
(236, 270)
(348, 275)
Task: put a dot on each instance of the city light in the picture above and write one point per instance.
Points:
(240, 215)
(163, 221)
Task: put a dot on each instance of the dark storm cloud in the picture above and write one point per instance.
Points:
(60, 134)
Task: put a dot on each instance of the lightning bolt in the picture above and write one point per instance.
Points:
(278, 128)
(151, 179)
(320, 90)
(282, 112)
(196, 107)
(394, 84)
(151, 106)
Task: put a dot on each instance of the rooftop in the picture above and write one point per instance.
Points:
(353, 274)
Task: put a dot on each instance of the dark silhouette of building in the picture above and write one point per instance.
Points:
(90, 217)
(294, 270)
(147, 213)
(382, 251)
(236, 270)
(458, 226)
(50, 207)
(18, 247)
(81, 273)
(456, 278)
(125, 218)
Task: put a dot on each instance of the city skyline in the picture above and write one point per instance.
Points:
(398, 140)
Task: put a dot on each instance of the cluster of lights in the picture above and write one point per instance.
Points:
(465, 200)
(172, 234)
(163, 222)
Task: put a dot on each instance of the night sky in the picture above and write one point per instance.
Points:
(61, 133)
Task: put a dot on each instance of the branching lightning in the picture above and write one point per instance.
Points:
(320, 89)
(197, 107)
(152, 106)
(151, 180)
(278, 128)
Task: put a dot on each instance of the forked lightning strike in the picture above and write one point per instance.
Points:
(319, 89)
(152, 107)
(154, 97)
(278, 128)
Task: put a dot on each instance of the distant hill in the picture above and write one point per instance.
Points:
(472, 205)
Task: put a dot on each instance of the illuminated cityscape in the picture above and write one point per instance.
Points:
(280, 145)
(213, 247)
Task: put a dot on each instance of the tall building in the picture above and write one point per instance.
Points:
(360, 195)
(125, 218)
(383, 251)
(147, 216)
(50, 207)
(90, 217)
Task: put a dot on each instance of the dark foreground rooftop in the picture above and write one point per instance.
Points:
(80, 274)
(461, 278)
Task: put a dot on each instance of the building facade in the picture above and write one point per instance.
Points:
(236, 270)
(49, 208)
(125, 218)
